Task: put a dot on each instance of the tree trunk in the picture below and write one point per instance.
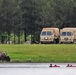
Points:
(9, 37)
(18, 36)
(25, 39)
(14, 38)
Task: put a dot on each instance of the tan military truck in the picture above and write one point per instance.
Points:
(49, 35)
(68, 35)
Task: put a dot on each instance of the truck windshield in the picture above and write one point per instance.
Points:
(49, 33)
(66, 34)
(69, 34)
(43, 33)
(63, 34)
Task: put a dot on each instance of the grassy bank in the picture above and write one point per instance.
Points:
(41, 53)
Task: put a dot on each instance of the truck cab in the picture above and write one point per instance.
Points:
(48, 35)
(66, 36)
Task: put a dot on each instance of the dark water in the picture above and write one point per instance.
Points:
(36, 69)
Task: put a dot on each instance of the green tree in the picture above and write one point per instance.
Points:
(29, 17)
(63, 11)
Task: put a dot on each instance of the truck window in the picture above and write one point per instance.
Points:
(49, 33)
(43, 33)
(69, 34)
(63, 34)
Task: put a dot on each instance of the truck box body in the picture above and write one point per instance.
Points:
(72, 29)
(49, 35)
(68, 35)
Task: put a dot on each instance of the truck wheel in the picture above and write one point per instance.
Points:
(54, 41)
(57, 40)
(74, 41)
(41, 42)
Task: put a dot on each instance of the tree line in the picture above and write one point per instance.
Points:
(30, 16)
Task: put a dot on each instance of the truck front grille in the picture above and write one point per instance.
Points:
(65, 38)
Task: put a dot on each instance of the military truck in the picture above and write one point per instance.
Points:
(49, 35)
(68, 35)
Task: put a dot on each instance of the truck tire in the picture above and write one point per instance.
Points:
(56, 40)
(74, 41)
(41, 42)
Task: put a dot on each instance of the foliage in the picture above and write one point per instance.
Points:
(31, 16)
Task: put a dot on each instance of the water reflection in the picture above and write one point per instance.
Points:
(35, 69)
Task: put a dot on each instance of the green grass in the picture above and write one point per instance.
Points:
(41, 52)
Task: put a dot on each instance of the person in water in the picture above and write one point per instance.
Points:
(54, 65)
(50, 65)
(69, 65)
